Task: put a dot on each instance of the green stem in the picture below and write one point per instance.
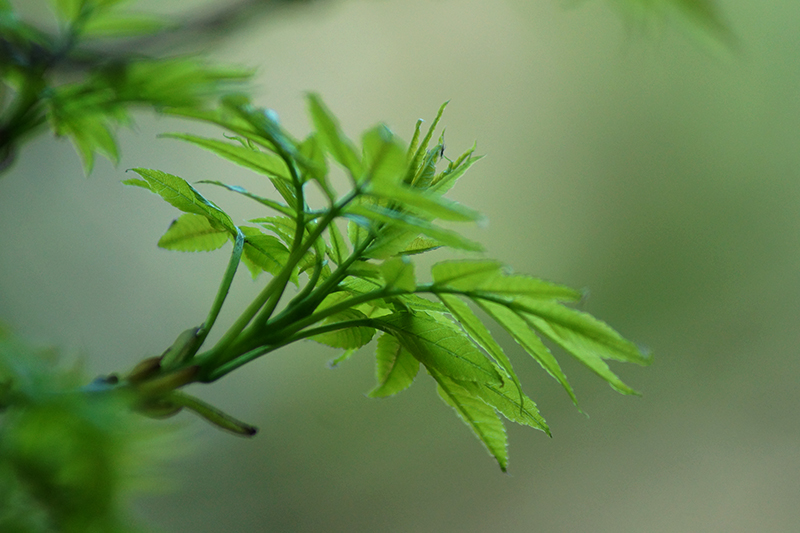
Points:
(224, 288)
(247, 357)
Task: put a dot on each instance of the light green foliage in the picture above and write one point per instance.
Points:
(350, 291)
(75, 83)
(66, 455)
(66, 447)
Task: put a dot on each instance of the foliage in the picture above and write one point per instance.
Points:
(340, 274)
(356, 288)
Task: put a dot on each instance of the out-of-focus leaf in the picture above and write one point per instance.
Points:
(113, 24)
(332, 138)
(384, 157)
(413, 224)
(339, 251)
(398, 273)
(256, 160)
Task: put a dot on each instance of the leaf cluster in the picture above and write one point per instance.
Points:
(65, 80)
(351, 267)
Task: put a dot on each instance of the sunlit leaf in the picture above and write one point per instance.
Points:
(193, 233)
(478, 415)
(395, 367)
(398, 273)
(348, 338)
(441, 347)
(180, 194)
(527, 338)
(473, 325)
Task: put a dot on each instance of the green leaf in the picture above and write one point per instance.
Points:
(515, 407)
(180, 194)
(431, 206)
(395, 367)
(440, 346)
(487, 276)
(90, 133)
(316, 167)
(338, 250)
(398, 273)
(465, 275)
(525, 337)
(383, 156)
(472, 324)
(348, 338)
(332, 138)
(444, 181)
(586, 330)
(193, 233)
(423, 146)
(254, 159)
(420, 245)
(480, 417)
(412, 224)
(286, 210)
(119, 25)
(264, 253)
(583, 351)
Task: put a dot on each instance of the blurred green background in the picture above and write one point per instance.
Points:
(631, 159)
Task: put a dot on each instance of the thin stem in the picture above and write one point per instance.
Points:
(247, 357)
(224, 288)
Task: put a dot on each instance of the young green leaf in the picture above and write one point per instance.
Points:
(193, 233)
(332, 138)
(286, 210)
(264, 253)
(515, 407)
(395, 367)
(440, 346)
(254, 159)
(413, 224)
(398, 273)
(423, 146)
(479, 416)
(472, 324)
(525, 337)
(487, 276)
(338, 250)
(180, 194)
(465, 275)
(348, 338)
(576, 327)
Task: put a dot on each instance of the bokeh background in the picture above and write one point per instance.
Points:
(627, 157)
